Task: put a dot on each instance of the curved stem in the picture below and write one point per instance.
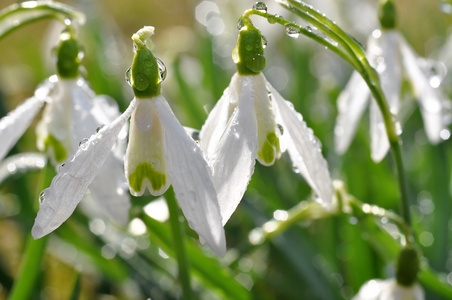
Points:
(179, 243)
(359, 61)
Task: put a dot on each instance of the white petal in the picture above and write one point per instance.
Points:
(431, 101)
(191, 179)
(378, 136)
(218, 118)
(371, 290)
(235, 156)
(71, 182)
(304, 149)
(110, 190)
(13, 125)
(144, 164)
(351, 104)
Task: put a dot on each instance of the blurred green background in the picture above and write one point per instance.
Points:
(323, 259)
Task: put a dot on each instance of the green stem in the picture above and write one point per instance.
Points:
(359, 61)
(179, 243)
(34, 252)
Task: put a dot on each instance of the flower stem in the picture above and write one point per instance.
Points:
(356, 57)
(34, 252)
(179, 243)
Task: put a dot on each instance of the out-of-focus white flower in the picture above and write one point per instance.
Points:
(159, 153)
(394, 60)
(253, 121)
(389, 289)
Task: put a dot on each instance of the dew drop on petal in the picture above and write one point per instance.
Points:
(162, 69)
(99, 128)
(129, 76)
(42, 197)
(281, 129)
(83, 144)
(260, 6)
(292, 30)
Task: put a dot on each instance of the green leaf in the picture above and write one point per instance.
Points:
(18, 14)
(207, 269)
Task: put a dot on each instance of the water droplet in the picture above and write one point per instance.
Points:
(67, 22)
(148, 63)
(83, 144)
(240, 24)
(308, 28)
(42, 197)
(292, 30)
(81, 52)
(281, 129)
(162, 69)
(195, 135)
(295, 169)
(141, 82)
(99, 128)
(264, 42)
(61, 167)
(129, 76)
(260, 6)
(272, 19)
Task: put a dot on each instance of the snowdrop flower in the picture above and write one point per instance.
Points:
(253, 121)
(159, 153)
(389, 289)
(394, 59)
(72, 112)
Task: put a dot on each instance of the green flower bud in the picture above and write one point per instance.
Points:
(69, 56)
(145, 74)
(407, 266)
(387, 14)
(248, 54)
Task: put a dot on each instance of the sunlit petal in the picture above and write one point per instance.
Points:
(234, 159)
(13, 125)
(218, 118)
(351, 104)
(191, 179)
(304, 149)
(145, 164)
(71, 182)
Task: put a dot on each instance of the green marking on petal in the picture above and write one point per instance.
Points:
(269, 148)
(146, 170)
(58, 149)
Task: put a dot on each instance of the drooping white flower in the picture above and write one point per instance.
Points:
(253, 121)
(72, 113)
(389, 289)
(159, 153)
(394, 60)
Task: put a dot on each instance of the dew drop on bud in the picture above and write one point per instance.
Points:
(162, 69)
(272, 19)
(240, 24)
(264, 42)
(292, 30)
(129, 76)
(260, 6)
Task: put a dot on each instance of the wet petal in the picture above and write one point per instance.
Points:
(351, 104)
(433, 104)
(379, 138)
(71, 182)
(235, 156)
(145, 164)
(191, 179)
(218, 118)
(268, 141)
(304, 149)
(13, 125)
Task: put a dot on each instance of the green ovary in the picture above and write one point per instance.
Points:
(267, 152)
(146, 170)
(58, 149)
